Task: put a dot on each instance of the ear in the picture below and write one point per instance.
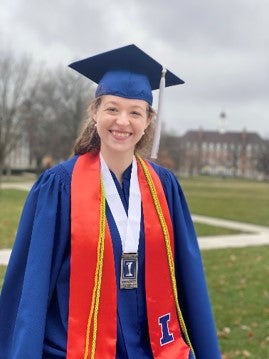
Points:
(150, 117)
(93, 111)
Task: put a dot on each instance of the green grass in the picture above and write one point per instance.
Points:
(238, 286)
(235, 199)
(207, 230)
(11, 202)
(2, 273)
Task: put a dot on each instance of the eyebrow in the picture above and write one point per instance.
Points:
(115, 103)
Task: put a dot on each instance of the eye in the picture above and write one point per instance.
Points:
(136, 114)
(111, 109)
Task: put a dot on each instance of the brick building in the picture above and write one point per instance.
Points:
(215, 153)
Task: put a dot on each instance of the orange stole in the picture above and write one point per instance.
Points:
(86, 199)
(159, 291)
(85, 228)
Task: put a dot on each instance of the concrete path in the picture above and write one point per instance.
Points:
(22, 186)
(4, 256)
(254, 235)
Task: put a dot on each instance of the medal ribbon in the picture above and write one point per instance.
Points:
(128, 226)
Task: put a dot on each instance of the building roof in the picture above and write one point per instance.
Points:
(226, 137)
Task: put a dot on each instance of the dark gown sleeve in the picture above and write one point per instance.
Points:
(41, 243)
(192, 288)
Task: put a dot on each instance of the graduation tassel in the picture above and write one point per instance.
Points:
(157, 134)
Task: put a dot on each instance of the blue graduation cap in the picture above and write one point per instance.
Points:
(130, 73)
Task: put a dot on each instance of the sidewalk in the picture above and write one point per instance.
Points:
(255, 236)
(4, 256)
(22, 186)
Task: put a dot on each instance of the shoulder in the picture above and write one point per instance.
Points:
(167, 177)
(57, 177)
(171, 185)
(63, 170)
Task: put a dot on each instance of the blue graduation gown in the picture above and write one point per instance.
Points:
(34, 297)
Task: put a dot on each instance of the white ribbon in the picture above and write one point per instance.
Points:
(128, 225)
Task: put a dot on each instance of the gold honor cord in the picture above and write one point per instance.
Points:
(97, 280)
(168, 248)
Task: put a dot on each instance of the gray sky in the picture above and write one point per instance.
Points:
(219, 47)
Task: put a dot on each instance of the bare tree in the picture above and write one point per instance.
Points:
(73, 93)
(263, 160)
(13, 88)
(53, 113)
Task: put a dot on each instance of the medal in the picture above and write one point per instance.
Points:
(128, 225)
(129, 270)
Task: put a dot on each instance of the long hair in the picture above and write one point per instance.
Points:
(89, 140)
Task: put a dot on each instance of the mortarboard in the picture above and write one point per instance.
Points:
(130, 73)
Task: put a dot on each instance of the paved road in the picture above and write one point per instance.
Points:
(254, 235)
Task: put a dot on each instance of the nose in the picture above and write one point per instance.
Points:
(123, 119)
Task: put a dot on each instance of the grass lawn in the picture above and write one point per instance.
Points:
(238, 285)
(11, 202)
(2, 273)
(235, 199)
(207, 230)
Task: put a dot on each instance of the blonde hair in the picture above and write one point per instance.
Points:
(89, 140)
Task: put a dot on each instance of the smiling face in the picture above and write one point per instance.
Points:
(120, 124)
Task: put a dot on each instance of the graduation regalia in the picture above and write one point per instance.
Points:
(34, 299)
(36, 315)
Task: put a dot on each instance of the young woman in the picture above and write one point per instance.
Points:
(106, 262)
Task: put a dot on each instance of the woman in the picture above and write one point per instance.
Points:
(106, 262)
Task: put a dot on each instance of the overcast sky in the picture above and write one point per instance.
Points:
(219, 47)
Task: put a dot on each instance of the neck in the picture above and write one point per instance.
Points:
(118, 163)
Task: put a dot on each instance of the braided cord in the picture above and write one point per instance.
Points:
(93, 316)
(168, 247)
